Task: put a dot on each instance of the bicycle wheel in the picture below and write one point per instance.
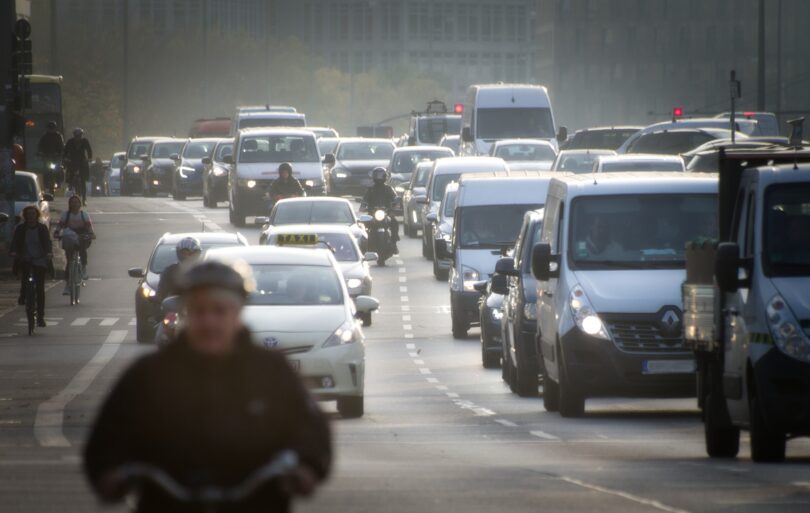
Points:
(31, 305)
(74, 280)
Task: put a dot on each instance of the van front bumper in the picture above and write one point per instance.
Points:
(783, 385)
(598, 368)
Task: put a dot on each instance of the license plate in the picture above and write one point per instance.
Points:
(667, 366)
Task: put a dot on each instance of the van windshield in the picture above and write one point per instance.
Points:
(278, 148)
(270, 122)
(449, 204)
(490, 226)
(662, 225)
(433, 128)
(514, 123)
(787, 232)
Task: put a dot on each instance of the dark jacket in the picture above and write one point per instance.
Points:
(79, 153)
(51, 144)
(167, 286)
(290, 188)
(208, 420)
(18, 244)
(380, 196)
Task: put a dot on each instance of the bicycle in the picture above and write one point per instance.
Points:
(75, 280)
(212, 498)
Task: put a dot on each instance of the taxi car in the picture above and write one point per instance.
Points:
(314, 210)
(300, 306)
(147, 307)
(339, 240)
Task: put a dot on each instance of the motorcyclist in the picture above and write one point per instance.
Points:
(209, 408)
(285, 186)
(78, 154)
(50, 147)
(188, 250)
(382, 196)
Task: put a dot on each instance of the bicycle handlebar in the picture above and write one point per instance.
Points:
(281, 465)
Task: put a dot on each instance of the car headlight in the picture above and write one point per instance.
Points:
(530, 311)
(247, 183)
(52, 166)
(585, 316)
(185, 171)
(343, 335)
(309, 183)
(469, 277)
(786, 331)
(354, 283)
(497, 314)
(379, 215)
(218, 171)
(147, 292)
(339, 173)
(136, 169)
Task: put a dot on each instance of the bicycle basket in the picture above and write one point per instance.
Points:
(70, 240)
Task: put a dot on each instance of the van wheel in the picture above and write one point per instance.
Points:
(551, 395)
(350, 407)
(460, 326)
(722, 439)
(767, 445)
(525, 372)
(571, 400)
(236, 218)
(143, 332)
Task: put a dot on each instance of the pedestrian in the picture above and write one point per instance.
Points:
(32, 251)
(78, 154)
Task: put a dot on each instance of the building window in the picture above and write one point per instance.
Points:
(486, 22)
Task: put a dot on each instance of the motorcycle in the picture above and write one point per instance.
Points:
(380, 239)
(53, 175)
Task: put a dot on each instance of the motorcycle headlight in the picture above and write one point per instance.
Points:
(147, 292)
(52, 166)
(585, 316)
(343, 335)
(379, 215)
(136, 169)
(469, 277)
(786, 331)
(530, 311)
(497, 314)
(354, 283)
(309, 183)
(185, 171)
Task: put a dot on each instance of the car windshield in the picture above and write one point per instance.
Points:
(278, 148)
(312, 212)
(641, 166)
(490, 226)
(577, 162)
(295, 285)
(136, 149)
(223, 150)
(512, 123)
(198, 149)
(669, 143)
(525, 152)
(422, 175)
(405, 161)
(787, 232)
(365, 151)
(433, 128)
(326, 145)
(440, 184)
(662, 225)
(164, 150)
(600, 139)
(341, 244)
(270, 122)
(449, 204)
(166, 254)
(532, 239)
(25, 189)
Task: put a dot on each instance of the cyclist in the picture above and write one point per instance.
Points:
(78, 154)
(32, 251)
(188, 249)
(209, 408)
(51, 147)
(78, 222)
(382, 195)
(285, 186)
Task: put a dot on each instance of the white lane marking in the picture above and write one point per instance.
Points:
(399, 261)
(403, 279)
(402, 270)
(410, 346)
(403, 289)
(108, 321)
(443, 388)
(432, 380)
(544, 435)
(452, 395)
(507, 423)
(409, 335)
(103, 321)
(407, 327)
(424, 370)
(443, 309)
(625, 495)
(406, 308)
(133, 321)
(406, 318)
(418, 361)
(50, 414)
(413, 354)
(404, 299)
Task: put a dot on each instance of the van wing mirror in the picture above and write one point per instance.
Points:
(505, 267)
(499, 285)
(542, 261)
(481, 286)
(136, 272)
(727, 267)
(466, 134)
(206, 161)
(562, 134)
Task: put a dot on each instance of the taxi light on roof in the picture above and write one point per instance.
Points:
(677, 112)
(458, 108)
(297, 239)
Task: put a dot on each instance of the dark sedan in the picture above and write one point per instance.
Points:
(159, 167)
(215, 174)
(188, 175)
(352, 162)
(131, 172)
(490, 310)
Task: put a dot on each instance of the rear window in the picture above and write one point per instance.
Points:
(270, 122)
(312, 212)
(669, 143)
(166, 254)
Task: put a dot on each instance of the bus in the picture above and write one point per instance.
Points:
(45, 106)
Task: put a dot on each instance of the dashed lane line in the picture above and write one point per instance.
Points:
(625, 495)
(543, 435)
(507, 423)
(50, 414)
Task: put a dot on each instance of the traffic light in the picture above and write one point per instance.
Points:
(22, 56)
(458, 108)
(677, 112)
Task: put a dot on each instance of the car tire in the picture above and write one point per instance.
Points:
(144, 333)
(178, 196)
(722, 439)
(460, 327)
(206, 203)
(767, 444)
(551, 395)
(366, 318)
(526, 381)
(235, 217)
(351, 407)
(489, 359)
(427, 249)
(438, 273)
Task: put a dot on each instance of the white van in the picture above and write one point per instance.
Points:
(609, 269)
(488, 216)
(506, 111)
(266, 119)
(257, 154)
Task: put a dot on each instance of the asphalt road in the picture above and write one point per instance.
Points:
(440, 433)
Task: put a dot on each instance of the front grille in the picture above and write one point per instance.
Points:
(296, 350)
(644, 336)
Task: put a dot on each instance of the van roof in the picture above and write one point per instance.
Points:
(277, 131)
(503, 190)
(451, 165)
(783, 173)
(504, 95)
(635, 183)
(272, 114)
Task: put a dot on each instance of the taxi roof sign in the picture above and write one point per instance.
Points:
(297, 239)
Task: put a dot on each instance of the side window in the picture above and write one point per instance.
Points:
(521, 240)
(547, 234)
(556, 246)
(740, 215)
(750, 226)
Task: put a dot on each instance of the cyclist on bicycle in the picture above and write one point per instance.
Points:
(188, 250)
(209, 408)
(76, 221)
(32, 251)
(51, 147)
(78, 155)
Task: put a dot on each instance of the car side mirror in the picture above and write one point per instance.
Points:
(466, 134)
(175, 156)
(3, 217)
(418, 191)
(481, 286)
(371, 257)
(206, 161)
(541, 262)
(506, 267)
(144, 157)
(443, 252)
(172, 304)
(562, 134)
(499, 285)
(365, 218)
(136, 272)
(227, 159)
(727, 267)
(329, 159)
(46, 196)
(260, 220)
(366, 304)
(431, 217)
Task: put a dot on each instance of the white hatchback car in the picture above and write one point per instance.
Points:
(301, 307)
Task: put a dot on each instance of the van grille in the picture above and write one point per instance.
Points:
(634, 335)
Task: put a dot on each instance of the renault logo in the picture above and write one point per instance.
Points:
(670, 323)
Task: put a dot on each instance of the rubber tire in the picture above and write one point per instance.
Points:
(206, 203)
(510, 373)
(351, 407)
(722, 439)
(143, 332)
(460, 327)
(427, 250)
(440, 274)
(366, 318)
(178, 196)
(767, 446)
(571, 401)
(526, 382)
(235, 217)
(551, 395)
(411, 233)
(489, 359)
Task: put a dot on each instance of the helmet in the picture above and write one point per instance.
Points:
(52, 125)
(379, 175)
(285, 166)
(188, 244)
(211, 273)
(78, 131)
